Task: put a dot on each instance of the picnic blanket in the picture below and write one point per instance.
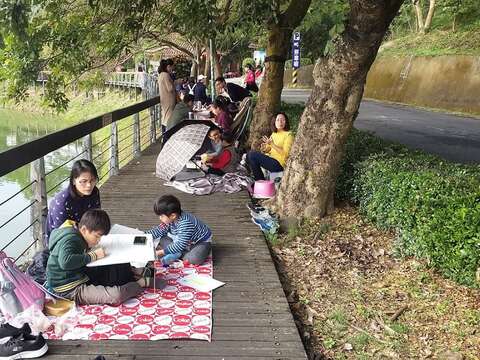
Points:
(229, 183)
(175, 312)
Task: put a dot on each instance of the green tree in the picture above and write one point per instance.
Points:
(323, 20)
(308, 185)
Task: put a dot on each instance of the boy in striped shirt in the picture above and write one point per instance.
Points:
(181, 234)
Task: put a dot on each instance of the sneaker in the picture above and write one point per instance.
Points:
(265, 225)
(255, 208)
(7, 331)
(23, 346)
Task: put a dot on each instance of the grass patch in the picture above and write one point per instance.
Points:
(438, 42)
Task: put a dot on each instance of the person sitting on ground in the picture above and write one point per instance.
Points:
(72, 247)
(228, 159)
(230, 90)
(200, 91)
(222, 117)
(80, 195)
(71, 203)
(276, 148)
(181, 111)
(190, 237)
(215, 145)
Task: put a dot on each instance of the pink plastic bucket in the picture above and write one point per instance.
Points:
(264, 189)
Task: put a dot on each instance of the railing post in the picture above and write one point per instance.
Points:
(40, 208)
(87, 146)
(153, 127)
(114, 150)
(136, 136)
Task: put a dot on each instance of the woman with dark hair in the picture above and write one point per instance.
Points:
(275, 149)
(249, 80)
(66, 208)
(167, 90)
(71, 203)
(222, 116)
(81, 195)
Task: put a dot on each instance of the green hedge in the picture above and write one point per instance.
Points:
(434, 205)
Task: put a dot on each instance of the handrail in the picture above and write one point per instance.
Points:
(16, 157)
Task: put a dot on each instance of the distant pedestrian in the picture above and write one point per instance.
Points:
(167, 91)
(249, 80)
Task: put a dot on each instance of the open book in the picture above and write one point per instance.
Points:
(126, 245)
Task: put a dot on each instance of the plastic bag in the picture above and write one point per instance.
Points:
(66, 323)
(35, 318)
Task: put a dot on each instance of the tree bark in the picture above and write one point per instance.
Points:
(207, 65)
(308, 184)
(270, 91)
(419, 14)
(218, 65)
(428, 20)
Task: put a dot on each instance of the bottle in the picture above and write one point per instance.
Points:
(190, 115)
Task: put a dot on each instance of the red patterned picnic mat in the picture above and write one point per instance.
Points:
(175, 312)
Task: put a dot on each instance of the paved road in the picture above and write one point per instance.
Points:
(452, 137)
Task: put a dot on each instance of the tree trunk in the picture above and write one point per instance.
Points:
(428, 20)
(308, 184)
(270, 92)
(272, 84)
(207, 64)
(419, 14)
(218, 65)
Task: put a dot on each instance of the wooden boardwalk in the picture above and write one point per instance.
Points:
(251, 316)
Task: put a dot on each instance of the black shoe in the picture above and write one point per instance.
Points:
(7, 330)
(23, 346)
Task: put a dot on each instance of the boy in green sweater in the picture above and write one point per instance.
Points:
(71, 249)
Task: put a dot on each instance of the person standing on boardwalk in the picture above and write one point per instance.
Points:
(167, 91)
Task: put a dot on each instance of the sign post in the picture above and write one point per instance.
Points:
(295, 56)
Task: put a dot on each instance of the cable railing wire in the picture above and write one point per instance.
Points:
(103, 152)
(125, 138)
(24, 251)
(101, 141)
(20, 234)
(21, 211)
(65, 163)
(60, 183)
(106, 173)
(129, 146)
(126, 127)
(18, 192)
(105, 162)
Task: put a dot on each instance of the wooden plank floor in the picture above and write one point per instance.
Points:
(251, 317)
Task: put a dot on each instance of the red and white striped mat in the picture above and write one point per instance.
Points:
(175, 312)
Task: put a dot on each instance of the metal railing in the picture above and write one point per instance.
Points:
(110, 141)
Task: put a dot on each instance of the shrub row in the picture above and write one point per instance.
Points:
(433, 205)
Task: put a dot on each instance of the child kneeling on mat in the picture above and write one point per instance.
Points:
(71, 249)
(181, 234)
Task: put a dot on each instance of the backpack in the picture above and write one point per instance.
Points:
(18, 291)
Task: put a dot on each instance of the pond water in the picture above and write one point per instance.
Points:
(17, 128)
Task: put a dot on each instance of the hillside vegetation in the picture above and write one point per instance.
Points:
(434, 28)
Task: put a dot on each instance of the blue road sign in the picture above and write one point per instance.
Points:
(296, 50)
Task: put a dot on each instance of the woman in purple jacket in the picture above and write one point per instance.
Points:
(81, 195)
(70, 204)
